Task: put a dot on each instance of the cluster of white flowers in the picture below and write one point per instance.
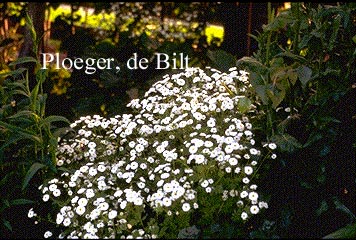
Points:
(186, 142)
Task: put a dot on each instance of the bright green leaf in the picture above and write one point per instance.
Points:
(244, 104)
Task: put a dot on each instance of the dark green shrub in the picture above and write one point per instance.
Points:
(303, 74)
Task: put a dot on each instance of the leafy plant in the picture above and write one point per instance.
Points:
(303, 73)
(28, 137)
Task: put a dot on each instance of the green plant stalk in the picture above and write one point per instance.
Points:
(269, 124)
(296, 32)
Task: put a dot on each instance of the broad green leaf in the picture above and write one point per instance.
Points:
(33, 169)
(252, 64)
(21, 201)
(50, 119)
(221, 59)
(354, 39)
(276, 98)
(256, 79)
(60, 132)
(262, 93)
(286, 142)
(304, 74)
(244, 104)
(279, 22)
(23, 60)
(348, 232)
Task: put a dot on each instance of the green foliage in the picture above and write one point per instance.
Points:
(343, 233)
(28, 136)
(302, 74)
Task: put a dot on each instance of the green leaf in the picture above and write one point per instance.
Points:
(221, 59)
(340, 206)
(33, 169)
(23, 60)
(6, 203)
(348, 232)
(33, 97)
(50, 119)
(13, 139)
(304, 74)
(7, 224)
(20, 92)
(244, 104)
(306, 185)
(24, 113)
(291, 55)
(262, 93)
(3, 181)
(25, 134)
(59, 132)
(21, 201)
(51, 163)
(41, 75)
(314, 137)
(354, 39)
(336, 27)
(251, 63)
(276, 98)
(15, 72)
(323, 208)
(286, 142)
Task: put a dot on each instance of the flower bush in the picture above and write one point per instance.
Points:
(184, 159)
